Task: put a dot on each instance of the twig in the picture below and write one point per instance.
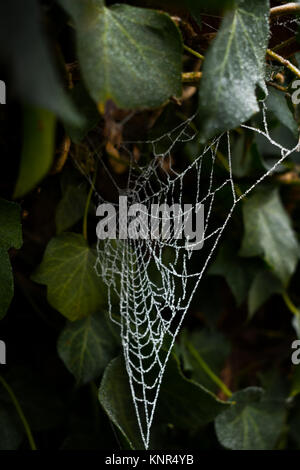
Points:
(195, 53)
(284, 62)
(278, 87)
(64, 152)
(286, 9)
(191, 78)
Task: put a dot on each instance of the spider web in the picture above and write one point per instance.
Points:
(154, 279)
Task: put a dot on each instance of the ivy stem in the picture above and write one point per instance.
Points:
(193, 52)
(87, 205)
(286, 9)
(20, 413)
(194, 77)
(191, 78)
(208, 370)
(290, 305)
(284, 62)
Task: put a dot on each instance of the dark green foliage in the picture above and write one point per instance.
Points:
(83, 77)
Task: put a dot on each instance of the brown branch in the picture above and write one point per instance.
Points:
(286, 9)
(284, 62)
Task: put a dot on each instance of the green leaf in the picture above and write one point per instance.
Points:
(182, 402)
(264, 285)
(212, 348)
(253, 423)
(10, 236)
(67, 269)
(234, 66)
(237, 271)
(268, 233)
(246, 159)
(11, 433)
(71, 207)
(23, 46)
(277, 103)
(86, 346)
(38, 148)
(129, 55)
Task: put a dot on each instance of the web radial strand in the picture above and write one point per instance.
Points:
(154, 278)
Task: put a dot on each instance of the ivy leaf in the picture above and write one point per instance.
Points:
(86, 346)
(268, 233)
(67, 269)
(208, 346)
(277, 103)
(264, 285)
(237, 271)
(10, 236)
(233, 68)
(252, 423)
(38, 148)
(182, 402)
(129, 55)
(71, 207)
(23, 47)
(246, 159)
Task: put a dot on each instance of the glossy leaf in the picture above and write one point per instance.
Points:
(233, 68)
(129, 55)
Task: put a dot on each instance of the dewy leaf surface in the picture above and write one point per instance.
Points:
(233, 68)
(252, 423)
(182, 402)
(268, 233)
(67, 269)
(130, 55)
